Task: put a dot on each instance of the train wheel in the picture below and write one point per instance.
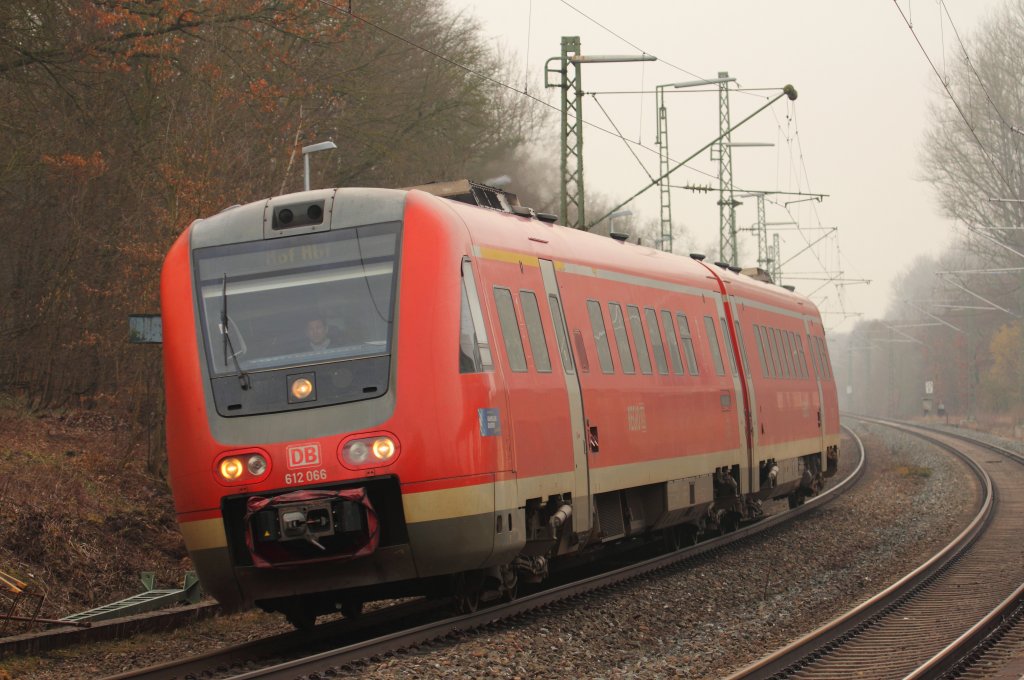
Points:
(302, 618)
(350, 609)
(678, 537)
(509, 583)
(467, 589)
(795, 500)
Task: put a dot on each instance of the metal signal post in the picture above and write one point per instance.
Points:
(572, 197)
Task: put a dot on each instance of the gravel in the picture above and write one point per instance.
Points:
(702, 621)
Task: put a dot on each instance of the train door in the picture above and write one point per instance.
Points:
(742, 384)
(819, 375)
(738, 345)
(581, 493)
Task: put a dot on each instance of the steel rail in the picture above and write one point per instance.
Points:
(523, 606)
(971, 648)
(797, 658)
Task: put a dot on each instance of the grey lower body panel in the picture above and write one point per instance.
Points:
(435, 548)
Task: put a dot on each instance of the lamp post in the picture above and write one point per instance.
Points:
(572, 120)
(313, 148)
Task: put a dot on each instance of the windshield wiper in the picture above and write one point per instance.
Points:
(243, 377)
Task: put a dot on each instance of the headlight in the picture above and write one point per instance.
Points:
(369, 451)
(231, 469)
(241, 467)
(256, 465)
(383, 448)
(302, 388)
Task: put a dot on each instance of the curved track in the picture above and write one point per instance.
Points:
(411, 635)
(921, 625)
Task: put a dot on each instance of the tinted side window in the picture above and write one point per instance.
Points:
(814, 356)
(766, 343)
(621, 338)
(673, 344)
(535, 330)
(687, 338)
(604, 354)
(742, 346)
(642, 355)
(800, 351)
(796, 355)
(716, 349)
(790, 367)
(656, 342)
(510, 329)
(760, 350)
(780, 351)
(581, 351)
(474, 350)
(825, 363)
(558, 321)
(728, 344)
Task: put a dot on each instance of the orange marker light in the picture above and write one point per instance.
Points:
(302, 388)
(383, 448)
(231, 468)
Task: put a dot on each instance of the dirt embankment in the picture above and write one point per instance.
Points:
(80, 517)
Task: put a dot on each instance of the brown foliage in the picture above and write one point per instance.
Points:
(124, 120)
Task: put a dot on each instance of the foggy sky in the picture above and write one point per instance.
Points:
(854, 133)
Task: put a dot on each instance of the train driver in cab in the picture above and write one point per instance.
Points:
(318, 335)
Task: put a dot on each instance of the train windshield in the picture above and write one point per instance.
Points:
(298, 300)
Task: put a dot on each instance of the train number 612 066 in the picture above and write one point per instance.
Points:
(305, 476)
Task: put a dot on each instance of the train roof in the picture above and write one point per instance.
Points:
(494, 218)
(519, 231)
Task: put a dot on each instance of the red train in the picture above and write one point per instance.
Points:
(375, 392)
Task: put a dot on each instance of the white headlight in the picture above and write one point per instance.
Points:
(357, 452)
(257, 466)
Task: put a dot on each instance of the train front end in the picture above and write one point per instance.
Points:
(279, 351)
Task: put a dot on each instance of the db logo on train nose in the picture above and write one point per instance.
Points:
(304, 455)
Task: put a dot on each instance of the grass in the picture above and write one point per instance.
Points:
(914, 471)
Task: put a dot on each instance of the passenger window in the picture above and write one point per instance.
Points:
(760, 350)
(673, 344)
(535, 330)
(510, 329)
(800, 351)
(621, 338)
(604, 354)
(790, 368)
(656, 342)
(796, 355)
(742, 346)
(474, 349)
(581, 351)
(776, 359)
(687, 338)
(637, 326)
(787, 368)
(825, 363)
(763, 332)
(558, 321)
(814, 356)
(716, 350)
(728, 344)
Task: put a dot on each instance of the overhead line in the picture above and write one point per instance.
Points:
(491, 79)
(970, 65)
(949, 92)
(628, 42)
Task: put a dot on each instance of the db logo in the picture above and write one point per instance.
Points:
(304, 455)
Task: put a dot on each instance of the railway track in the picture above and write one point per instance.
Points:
(434, 626)
(940, 618)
